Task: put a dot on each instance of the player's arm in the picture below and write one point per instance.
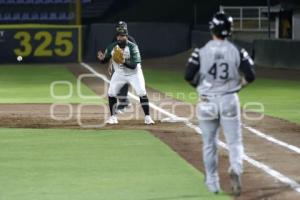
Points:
(135, 57)
(192, 74)
(246, 67)
(106, 56)
(110, 68)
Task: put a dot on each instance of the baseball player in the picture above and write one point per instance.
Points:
(123, 94)
(126, 61)
(216, 70)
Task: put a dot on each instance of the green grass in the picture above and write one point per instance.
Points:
(31, 84)
(56, 164)
(281, 98)
(172, 83)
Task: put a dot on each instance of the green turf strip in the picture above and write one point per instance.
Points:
(31, 84)
(56, 164)
(281, 98)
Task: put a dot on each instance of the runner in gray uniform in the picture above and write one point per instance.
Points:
(215, 70)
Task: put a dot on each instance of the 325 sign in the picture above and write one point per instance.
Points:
(44, 43)
(40, 43)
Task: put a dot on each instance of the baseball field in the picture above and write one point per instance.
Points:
(54, 143)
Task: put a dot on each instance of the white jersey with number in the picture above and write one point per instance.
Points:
(219, 68)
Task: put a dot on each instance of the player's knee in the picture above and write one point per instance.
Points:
(210, 148)
(236, 143)
(112, 93)
(141, 93)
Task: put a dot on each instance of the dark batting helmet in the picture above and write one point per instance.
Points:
(221, 25)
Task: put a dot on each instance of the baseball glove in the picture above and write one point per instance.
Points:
(118, 55)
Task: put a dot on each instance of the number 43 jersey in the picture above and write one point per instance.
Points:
(219, 68)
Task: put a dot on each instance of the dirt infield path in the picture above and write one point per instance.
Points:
(183, 140)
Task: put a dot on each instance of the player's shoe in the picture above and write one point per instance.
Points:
(148, 120)
(213, 187)
(112, 120)
(235, 181)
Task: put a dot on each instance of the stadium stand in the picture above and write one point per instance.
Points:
(48, 11)
(15, 2)
(96, 8)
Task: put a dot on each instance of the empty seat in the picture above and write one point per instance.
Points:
(52, 16)
(29, 1)
(20, 1)
(62, 16)
(10, 1)
(16, 16)
(35, 16)
(39, 1)
(7, 16)
(71, 15)
(86, 1)
(49, 1)
(58, 1)
(25, 16)
(43, 16)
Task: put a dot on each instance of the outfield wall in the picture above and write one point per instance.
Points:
(154, 39)
(200, 38)
(277, 53)
(54, 43)
(267, 53)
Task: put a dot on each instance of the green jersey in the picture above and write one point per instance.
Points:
(131, 54)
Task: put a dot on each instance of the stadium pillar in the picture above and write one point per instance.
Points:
(78, 12)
